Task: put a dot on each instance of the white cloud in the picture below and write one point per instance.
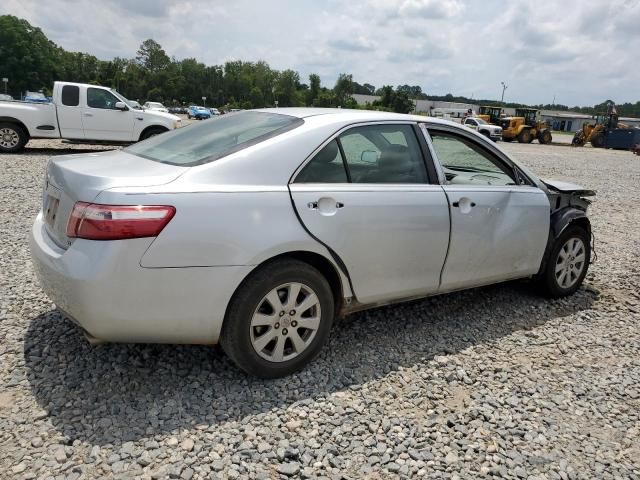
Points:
(581, 52)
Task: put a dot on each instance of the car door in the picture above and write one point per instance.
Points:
(69, 112)
(499, 220)
(367, 197)
(101, 120)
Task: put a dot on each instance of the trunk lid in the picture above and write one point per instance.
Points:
(81, 177)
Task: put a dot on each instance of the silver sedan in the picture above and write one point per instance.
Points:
(258, 228)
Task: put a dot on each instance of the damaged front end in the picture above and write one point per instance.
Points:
(564, 195)
(569, 204)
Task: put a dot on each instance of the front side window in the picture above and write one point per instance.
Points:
(372, 154)
(215, 138)
(465, 162)
(98, 98)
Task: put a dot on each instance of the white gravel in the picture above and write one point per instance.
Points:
(494, 382)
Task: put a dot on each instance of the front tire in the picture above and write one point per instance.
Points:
(568, 263)
(597, 140)
(12, 138)
(152, 132)
(279, 319)
(525, 136)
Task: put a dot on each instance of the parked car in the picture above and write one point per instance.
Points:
(214, 111)
(493, 132)
(256, 229)
(5, 97)
(197, 112)
(135, 105)
(176, 110)
(155, 106)
(81, 113)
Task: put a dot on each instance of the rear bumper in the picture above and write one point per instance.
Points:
(103, 288)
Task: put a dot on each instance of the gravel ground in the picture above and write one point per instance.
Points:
(494, 382)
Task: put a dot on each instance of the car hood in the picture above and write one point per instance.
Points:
(567, 187)
(159, 114)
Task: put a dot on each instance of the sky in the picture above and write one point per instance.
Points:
(579, 52)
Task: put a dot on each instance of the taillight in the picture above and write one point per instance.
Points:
(117, 222)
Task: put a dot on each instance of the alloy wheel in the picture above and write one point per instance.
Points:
(285, 322)
(570, 262)
(9, 138)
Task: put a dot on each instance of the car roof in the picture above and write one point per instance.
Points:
(351, 115)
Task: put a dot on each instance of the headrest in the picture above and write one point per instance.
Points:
(328, 153)
(395, 159)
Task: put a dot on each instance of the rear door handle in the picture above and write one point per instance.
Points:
(457, 204)
(314, 205)
(88, 114)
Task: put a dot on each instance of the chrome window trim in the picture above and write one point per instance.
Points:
(297, 171)
(470, 135)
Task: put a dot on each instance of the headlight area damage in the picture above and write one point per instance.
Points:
(564, 195)
(568, 207)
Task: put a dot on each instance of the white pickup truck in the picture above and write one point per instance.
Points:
(80, 113)
(493, 132)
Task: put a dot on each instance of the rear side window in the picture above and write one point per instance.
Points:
(71, 95)
(326, 167)
(215, 138)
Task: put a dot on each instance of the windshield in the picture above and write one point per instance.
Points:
(215, 138)
(155, 104)
(481, 121)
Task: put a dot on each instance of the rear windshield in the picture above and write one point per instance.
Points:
(215, 138)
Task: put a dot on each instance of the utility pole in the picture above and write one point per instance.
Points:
(504, 87)
(5, 80)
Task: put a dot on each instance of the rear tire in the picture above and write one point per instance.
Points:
(525, 136)
(567, 264)
(12, 138)
(262, 332)
(545, 137)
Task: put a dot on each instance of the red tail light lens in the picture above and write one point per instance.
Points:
(117, 222)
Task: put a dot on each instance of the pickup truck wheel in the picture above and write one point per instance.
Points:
(486, 134)
(12, 138)
(279, 319)
(567, 264)
(152, 132)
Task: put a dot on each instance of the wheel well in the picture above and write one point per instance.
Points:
(325, 267)
(317, 261)
(152, 127)
(17, 122)
(581, 222)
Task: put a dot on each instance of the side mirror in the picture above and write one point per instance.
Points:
(121, 106)
(369, 156)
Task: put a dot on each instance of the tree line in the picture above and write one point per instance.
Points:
(33, 62)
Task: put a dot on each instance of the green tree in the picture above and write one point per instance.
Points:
(286, 88)
(27, 58)
(314, 88)
(152, 56)
(343, 88)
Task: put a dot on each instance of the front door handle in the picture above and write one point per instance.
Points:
(88, 114)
